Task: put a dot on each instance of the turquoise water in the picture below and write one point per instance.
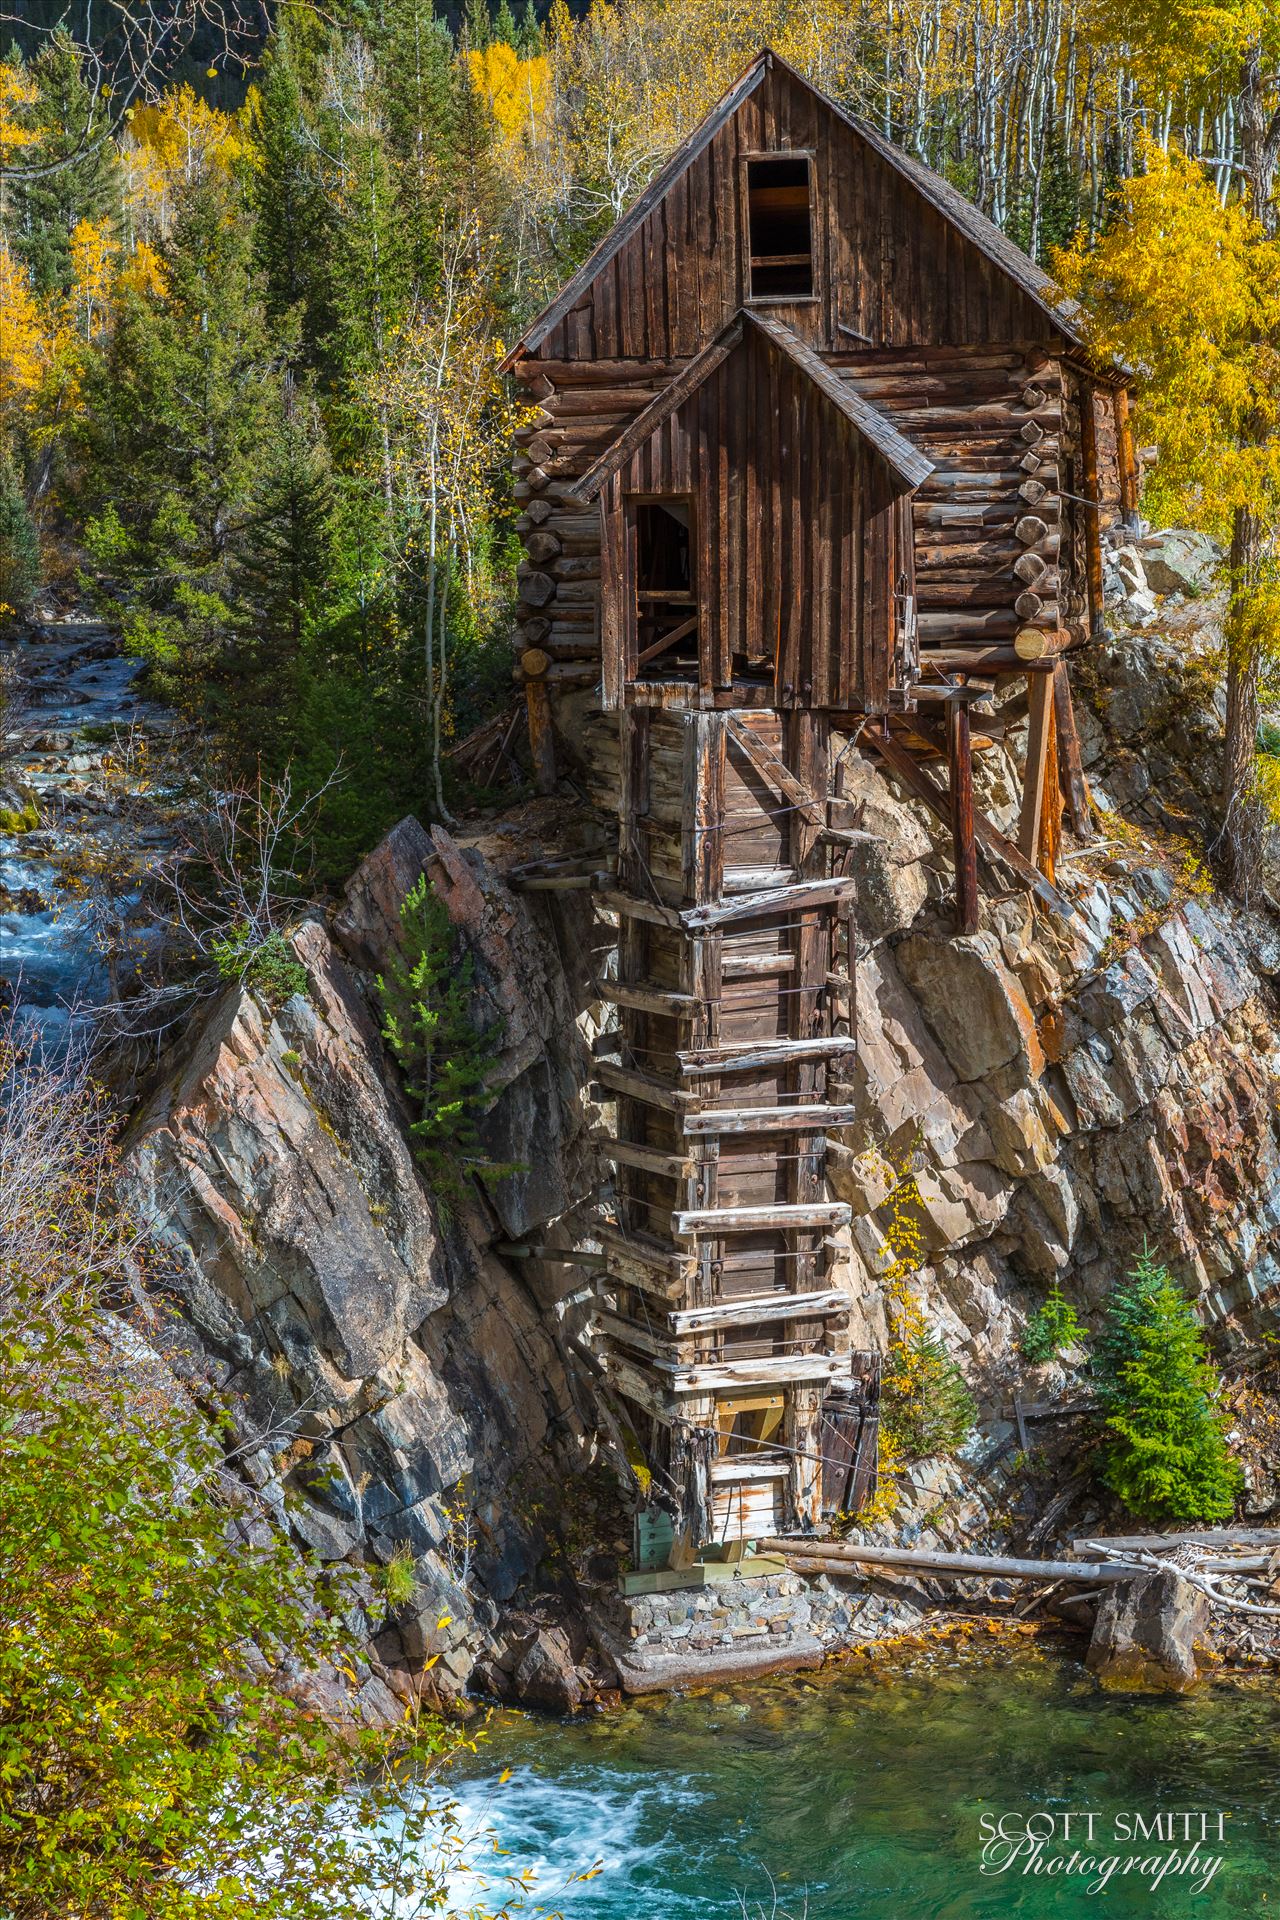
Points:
(862, 1792)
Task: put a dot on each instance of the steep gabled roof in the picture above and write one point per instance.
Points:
(951, 204)
(904, 460)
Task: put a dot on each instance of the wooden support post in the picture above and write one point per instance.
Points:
(1092, 532)
(542, 745)
(960, 769)
(1051, 804)
(1041, 701)
(1126, 462)
(1070, 766)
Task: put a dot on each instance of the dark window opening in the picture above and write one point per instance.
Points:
(666, 616)
(780, 229)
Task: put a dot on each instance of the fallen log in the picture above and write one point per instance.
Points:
(825, 1557)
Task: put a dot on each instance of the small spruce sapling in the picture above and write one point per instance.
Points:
(1166, 1454)
(445, 1060)
(1052, 1327)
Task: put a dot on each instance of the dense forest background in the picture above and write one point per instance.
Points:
(255, 282)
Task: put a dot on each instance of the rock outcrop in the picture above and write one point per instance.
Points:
(396, 1385)
(1144, 1638)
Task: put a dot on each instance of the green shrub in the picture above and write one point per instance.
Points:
(1052, 1327)
(19, 544)
(1166, 1454)
(23, 819)
(445, 1059)
(266, 964)
(928, 1407)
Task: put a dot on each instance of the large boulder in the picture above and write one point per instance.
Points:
(1144, 1637)
(1179, 561)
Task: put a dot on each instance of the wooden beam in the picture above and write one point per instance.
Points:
(795, 1119)
(628, 1153)
(758, 1311)
(742, 1470)
(1070, 765)
(1128, 465)
(638, 1086)
(774, 771)
(1091, 529)
(751, 906)
(990, 840)
(1038, 741)
(658, 1000)
(960, 770)
(767, 1053)
(773, 1370)
(542, 744)
(677, 1265)
(818, 1556)
(824, 1213)
(652, 912)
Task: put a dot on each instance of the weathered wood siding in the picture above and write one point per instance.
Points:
(888, 264)
(793, 535)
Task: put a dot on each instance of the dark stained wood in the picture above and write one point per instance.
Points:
(1070, 767)
(960, 768)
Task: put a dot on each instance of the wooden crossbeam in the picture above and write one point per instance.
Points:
(632, 907)
(823, 1213)
(646, 999)
(628, 1153)
(756, 1311)
(752, 906)
(667, 640)
(806, 1118)
(780, 1369)
(774, 771)
(638, 1086)
(766, 1053)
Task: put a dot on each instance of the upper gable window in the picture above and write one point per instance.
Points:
(780, 227)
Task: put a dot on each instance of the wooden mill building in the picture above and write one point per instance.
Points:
(818, 457)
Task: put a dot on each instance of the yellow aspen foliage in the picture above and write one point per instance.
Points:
(16, 93)
(515, 91)
(170, 144)
(27, 341)
(1187, 292)
(94, 249)
(143, 273)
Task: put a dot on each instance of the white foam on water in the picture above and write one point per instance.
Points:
(557, 1830)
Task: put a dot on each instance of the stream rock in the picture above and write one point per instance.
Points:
(1145, 1634)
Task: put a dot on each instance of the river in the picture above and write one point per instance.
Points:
(862, 1791)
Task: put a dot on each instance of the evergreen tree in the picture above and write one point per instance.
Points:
(291, 212)
(529, 36)
(282, 561)
(477, 27)
(19, 543)
(1117, 1343)
(79, 176)
(177, 435)
(1166, 1455)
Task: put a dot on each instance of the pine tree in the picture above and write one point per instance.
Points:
(292, 214)
(1167, 1455)
(1117, 1343)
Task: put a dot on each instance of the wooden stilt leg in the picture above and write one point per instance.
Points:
(1041, 697)
(1050, 806)
(1070, 767)
(542, 746)
(960, 767)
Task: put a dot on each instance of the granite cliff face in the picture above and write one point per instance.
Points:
(1062, 1088)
